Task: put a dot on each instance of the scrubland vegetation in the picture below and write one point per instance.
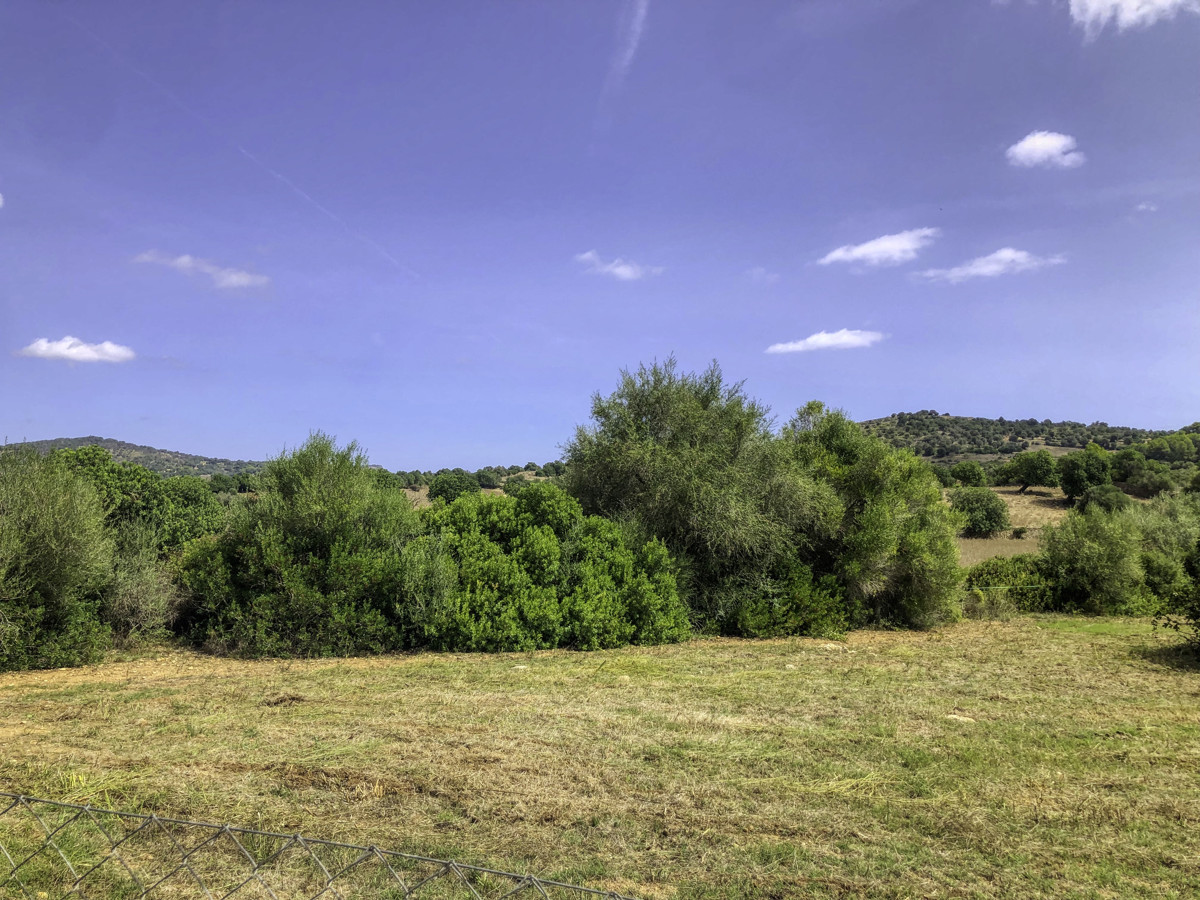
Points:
(679, 510)
(1018, 753)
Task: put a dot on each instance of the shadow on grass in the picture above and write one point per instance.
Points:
(1184, 657)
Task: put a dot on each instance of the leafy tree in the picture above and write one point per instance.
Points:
(984, 512)
(129, 492)
(222, 484)
(56, 558)
(451, 485)
(487, 478)
(969, 474)
(1088, 468)
(191, 510)
(1032, 469)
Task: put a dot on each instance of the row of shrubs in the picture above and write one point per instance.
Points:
(681, 509)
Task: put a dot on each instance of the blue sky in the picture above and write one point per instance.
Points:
(437, 228)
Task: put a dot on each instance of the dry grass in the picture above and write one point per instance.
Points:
(1032, 510)
(1033, 758)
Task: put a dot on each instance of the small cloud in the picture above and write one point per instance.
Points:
(1096, 15)
(620, 269)
(844, 339)
(1147, 207)
(889, 250)
(221, 277)
(1003, 262)
(72, 349)
(759, 275)
(1, 201)
(1047, 149)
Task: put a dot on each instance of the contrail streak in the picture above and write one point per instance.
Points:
(214, 130)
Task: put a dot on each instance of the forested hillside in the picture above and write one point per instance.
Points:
(929, 433)
(164, 462)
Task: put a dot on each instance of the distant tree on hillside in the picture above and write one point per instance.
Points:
(451, 485)
(969, 474)
(1085, 469)
(1033, 469)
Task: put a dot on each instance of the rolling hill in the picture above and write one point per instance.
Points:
(165, 462)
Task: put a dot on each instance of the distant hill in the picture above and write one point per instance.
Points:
(940, 435)
(165, 462)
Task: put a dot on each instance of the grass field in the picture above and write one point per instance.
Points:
(1034, 758)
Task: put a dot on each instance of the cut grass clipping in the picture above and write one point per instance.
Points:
(1035, 758)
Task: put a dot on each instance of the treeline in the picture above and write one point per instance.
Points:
(1164, 464)
(487, 477)
(930, 434)
(680, 509)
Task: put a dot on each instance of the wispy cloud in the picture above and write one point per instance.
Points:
(72, 349)
(221, 276)
(1096, 15)
(1147, 207)
(620, 269)
(843, 339)
(889, 250)
(759, 275)
(1003, 262)
(1, 201)
(630, 27)
(1047, 149)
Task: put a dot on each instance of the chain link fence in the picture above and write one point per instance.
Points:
(50, 849)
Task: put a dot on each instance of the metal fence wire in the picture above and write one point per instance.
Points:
(51, 849)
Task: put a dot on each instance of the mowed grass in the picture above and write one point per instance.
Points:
(1034, 758)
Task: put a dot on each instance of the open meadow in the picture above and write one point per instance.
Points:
(1039, 757)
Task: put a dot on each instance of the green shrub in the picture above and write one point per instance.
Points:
(142, 599)
(530, 571)
(311, 567)
(1106, 497)
(55, 562)
(984, 512)
(1092, 561)
(1015, 581)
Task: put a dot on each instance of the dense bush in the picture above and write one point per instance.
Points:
(1013, 580)
(1104, 496)
(56, 559)
(327, 562)
(984, 512)
(310, 567)
(812, 530)
(534, 572)
(1092, 562)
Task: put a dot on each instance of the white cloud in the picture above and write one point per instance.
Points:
(1, 201)
(72, 349)
(844, 339)
(222, 277)
(632, 25)
(620, 269)
(1096, 15)
(759, 275)
(889, 250)
(1003, 262)
(1147, 206)
(1048, 149)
